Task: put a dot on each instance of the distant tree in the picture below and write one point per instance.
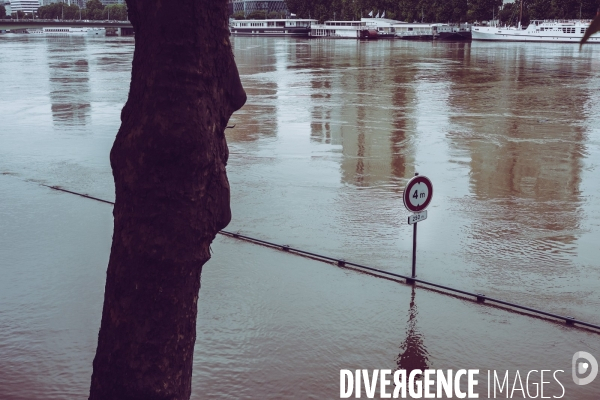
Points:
(327, 9)
(297, 7)
(2, 11)
(443, 11)
(408, 10)
(341, 10)
(302, 8)
(572, 9)
(589, 9)
(509, 15)
(535, 9)
(425, 11)
(94, 10)
(459, 11)
(93, 5)
(483, 10)
(258, 14)
(51, 11)
(70, 12)
(566, 9)
(41, 10)
(58, 11)
(390, 14)
(116, 12)
(123, 16)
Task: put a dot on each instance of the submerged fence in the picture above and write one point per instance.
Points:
(479, 297)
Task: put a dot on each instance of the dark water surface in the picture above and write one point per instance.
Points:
(508, 133)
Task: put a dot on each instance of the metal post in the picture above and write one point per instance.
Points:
(414, 263)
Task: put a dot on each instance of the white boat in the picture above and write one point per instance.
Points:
(271, 27)
(537, 31)
(416, 31)
(424, 31)
(453, 32)
(385, 27)
(64, 31)
(343, 30)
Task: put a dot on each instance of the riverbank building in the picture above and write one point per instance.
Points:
(248, 6)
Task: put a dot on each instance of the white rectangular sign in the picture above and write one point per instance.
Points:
(418, 217)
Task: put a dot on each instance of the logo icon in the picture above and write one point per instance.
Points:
(581, 367)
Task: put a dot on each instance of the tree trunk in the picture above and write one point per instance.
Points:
(172, 196)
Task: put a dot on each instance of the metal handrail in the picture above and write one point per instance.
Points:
(481, 298)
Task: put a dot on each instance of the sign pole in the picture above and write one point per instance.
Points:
(414, 258)
(416, 197)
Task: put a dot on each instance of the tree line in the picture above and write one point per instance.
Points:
(549, 9)
(444, 10)
(94, 10)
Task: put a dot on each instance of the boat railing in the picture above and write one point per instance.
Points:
(346, 23)
(415, 32)
(560, 21)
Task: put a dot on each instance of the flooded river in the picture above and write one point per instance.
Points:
(508, 133)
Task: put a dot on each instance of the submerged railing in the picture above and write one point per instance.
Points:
(479, 297)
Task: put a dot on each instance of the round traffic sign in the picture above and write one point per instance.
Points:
(417, 194)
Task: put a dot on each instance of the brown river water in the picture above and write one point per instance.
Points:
(508, 133)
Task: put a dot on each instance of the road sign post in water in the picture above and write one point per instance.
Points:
(417, 196)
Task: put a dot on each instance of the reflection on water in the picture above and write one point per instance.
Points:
(259, 117)
(413, 354)
(351, 108)
(503, 130)
(69, 80)
(524, 136)
(508, 133)
(402, 149)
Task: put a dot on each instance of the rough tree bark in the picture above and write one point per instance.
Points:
(172, 196)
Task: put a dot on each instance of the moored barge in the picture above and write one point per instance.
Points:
(271, 27)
